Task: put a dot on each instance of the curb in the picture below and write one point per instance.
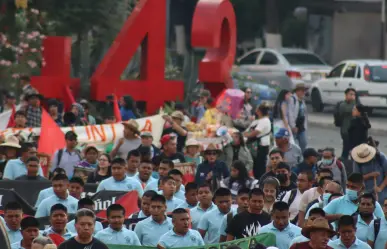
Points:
(373, 131)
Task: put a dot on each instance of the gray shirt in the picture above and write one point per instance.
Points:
(293, 156)
(127, 146)
(67, 162)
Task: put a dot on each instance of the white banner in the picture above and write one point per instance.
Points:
(99, 135)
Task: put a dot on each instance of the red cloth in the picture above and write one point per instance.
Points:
(51, 136)
(11, 121)
(116, 109)
(57, 239)
(68, 99)
(128, 201)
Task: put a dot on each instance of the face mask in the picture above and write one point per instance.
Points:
(282, 178)
(352, 194)
(325, 198)
(327, 161)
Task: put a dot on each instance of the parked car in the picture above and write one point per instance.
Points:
(285, 66)
(368, 77)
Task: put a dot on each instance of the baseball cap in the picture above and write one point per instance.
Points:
(281, 133)
(146, 134)
(166, 138)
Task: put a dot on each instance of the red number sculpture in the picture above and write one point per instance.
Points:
(214, 28)
(55, 78)
(146, 24)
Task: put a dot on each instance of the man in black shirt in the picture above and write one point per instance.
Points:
(169, 147)
(176, 128)
(84, 224)
(283, 174)
(248, 223)
(32, 170)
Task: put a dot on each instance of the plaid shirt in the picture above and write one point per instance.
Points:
(34, 116)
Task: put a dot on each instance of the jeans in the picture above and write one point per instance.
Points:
(346, 146)
(301, 139)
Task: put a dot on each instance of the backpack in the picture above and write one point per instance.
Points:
(292, 197)
(337, 118)
(60, 154)
(135, 215)
(376, 228)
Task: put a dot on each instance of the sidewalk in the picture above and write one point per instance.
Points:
(325, 120)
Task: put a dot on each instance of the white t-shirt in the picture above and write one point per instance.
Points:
(293, 209)
(307, 197)
(127, 146)
(264, 127)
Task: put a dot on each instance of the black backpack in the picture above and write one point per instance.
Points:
(60, 154)
(376, 228)
(337, 118)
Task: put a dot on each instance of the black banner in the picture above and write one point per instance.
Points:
(104, 199)
(7, 195)
(29, 190)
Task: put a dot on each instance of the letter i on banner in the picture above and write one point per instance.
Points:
(214, 28)
(146, 26)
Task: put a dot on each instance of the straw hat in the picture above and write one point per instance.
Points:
(315, 225)
(11, 141)
(178, 115)
(299, 86)
(133, 125)
(192, 142)
(212, 147)
(363, 153)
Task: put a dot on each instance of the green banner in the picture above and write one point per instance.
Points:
(267, 239)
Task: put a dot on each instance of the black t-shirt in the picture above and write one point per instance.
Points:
(180, 139)
(73, 244)
(247, 224)
(176, 158)
(96, 178)
(284, 189)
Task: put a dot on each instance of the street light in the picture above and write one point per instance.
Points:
(383, 30)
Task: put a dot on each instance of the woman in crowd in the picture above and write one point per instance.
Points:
(192, 154)
(359, 126)
(280, 111)
(238, 179)
(258, 135)
(237, 150)
(79, 112)
(270, 189)
(128, 108)
(103, 170)
(91, 155)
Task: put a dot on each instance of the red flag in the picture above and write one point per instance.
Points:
(11, 121)
(128, 201)
(68, 98)
(51, 136)
(116, 109)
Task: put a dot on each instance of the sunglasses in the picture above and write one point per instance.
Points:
(211, 153)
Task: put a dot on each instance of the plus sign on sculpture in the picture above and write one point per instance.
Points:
(213, 28)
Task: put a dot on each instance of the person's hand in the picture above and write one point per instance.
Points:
(209, 176)
(374, 174)
(121, 142)
(167, 118)
(378, 189)
(294, 130)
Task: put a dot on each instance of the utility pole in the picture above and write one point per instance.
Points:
(383, 30)
(272, 34)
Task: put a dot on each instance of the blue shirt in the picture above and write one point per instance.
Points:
(122, 237)
(186, 205)
(144, 184)
(126, 114)
(358, 244)
(197, 213)
(173, 240)
(43, 194)
(223, 226)
(211, 222)
(15, 168)
(362, 229)
(66, 236)
(13, 235)
(127, 184)
(343, 205)
(154, 185)
(284, 237)
(173, 203)
(149, 231)
(44, 208)
(17, 245)
(71, 227)
(381, 240)
(180, 194)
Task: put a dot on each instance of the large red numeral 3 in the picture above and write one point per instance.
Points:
(214, 28)
(146, 23)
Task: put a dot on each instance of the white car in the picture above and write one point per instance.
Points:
(284, 67)
(367, 77)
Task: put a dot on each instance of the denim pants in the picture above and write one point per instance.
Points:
(301, 139)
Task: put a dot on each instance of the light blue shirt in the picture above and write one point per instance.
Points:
(149, 231)
(211, 222)
(122, 237)
(140, 215)
(2, 220)
(173, 203)
(186, 205)
(71, 227)
(358, 244)
(197, 213)
(381, 240)
(173, 240)
(223, 226)
(284, 237)
(180, 194)
(362, 229)
(154, 185)
(151, 179)
(13, 235)
(15, 168)
(66, 236)
(43, 194)
(17, 245)
(343, 205)
(44, 208)
(127, 184)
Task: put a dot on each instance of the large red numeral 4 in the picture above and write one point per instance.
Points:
(214, 28)
(146, 23)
